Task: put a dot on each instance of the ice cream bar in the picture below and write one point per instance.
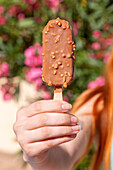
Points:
(58, 53)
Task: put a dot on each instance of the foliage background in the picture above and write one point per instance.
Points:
(21, 25)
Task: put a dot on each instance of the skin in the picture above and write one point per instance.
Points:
(50, 136)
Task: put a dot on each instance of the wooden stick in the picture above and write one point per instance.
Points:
(58, 93)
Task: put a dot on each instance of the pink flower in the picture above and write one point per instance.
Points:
(0, 73)
(47, 96)
(66, 98)
(21, 16)
(39, 20)
(2, 20)
(5, 37)
(32, 2)
(38, 82)
(33, 55)
(108, 41)
(29, 52)
(107, 56)
(7, 96)
(96, 33)
(100, 81)
(95, 46)
(76, 27)
(8, 91)
(33, 74)
(38, 48)
(2, 9)
(36, 6)
(91, 55)
(53, 4)
(5, 68)
(13, 10)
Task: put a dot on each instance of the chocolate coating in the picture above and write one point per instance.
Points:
(58, 60)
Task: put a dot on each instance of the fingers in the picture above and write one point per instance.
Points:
(50, 119)
(45, 106)
(49, 132)
(37, 148)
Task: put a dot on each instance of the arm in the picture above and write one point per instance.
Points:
(40, 129)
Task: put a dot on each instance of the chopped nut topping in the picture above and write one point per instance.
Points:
(74, 46)
(47, 29)
(73, 43)
(55, 71)
(69, 56)
(59, 63)
(68, 65)
(74, 57)
(65, 73)
(68, 38)
(52, 53)
(51, 26)
(61, 75)
(56, 40)
(69, 74)
(62, 66)
(56, 66)
(56, 52)
(64, 27)
(42, 77)
(45, 32)
(63, 55)
(69, 42)
(53, 34)
(65, 85)
(68, 26)
(64, 78)
(53, 56)
(61, 51)
(59, 23)
(50, 84)
(43, 54)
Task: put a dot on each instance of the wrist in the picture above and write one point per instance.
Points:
(39, 162)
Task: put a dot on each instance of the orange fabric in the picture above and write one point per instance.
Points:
(103, 119)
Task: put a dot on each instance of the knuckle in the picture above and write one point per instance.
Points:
(20, 139)
(28, 150)
(18, 125)
(49, 144)
(37, 106)
(45, 132)
(66, 119)
(67, 130)
(44, 119)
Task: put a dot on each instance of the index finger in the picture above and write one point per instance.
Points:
(46, 106)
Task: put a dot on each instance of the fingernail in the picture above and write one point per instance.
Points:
(80, 124)
(76, 128)
(66, 106)
(74, 119)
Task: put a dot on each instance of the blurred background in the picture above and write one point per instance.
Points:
(21, 26)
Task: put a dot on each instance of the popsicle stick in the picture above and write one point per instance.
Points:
(58, 93)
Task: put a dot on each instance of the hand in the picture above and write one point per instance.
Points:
(43, 125)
